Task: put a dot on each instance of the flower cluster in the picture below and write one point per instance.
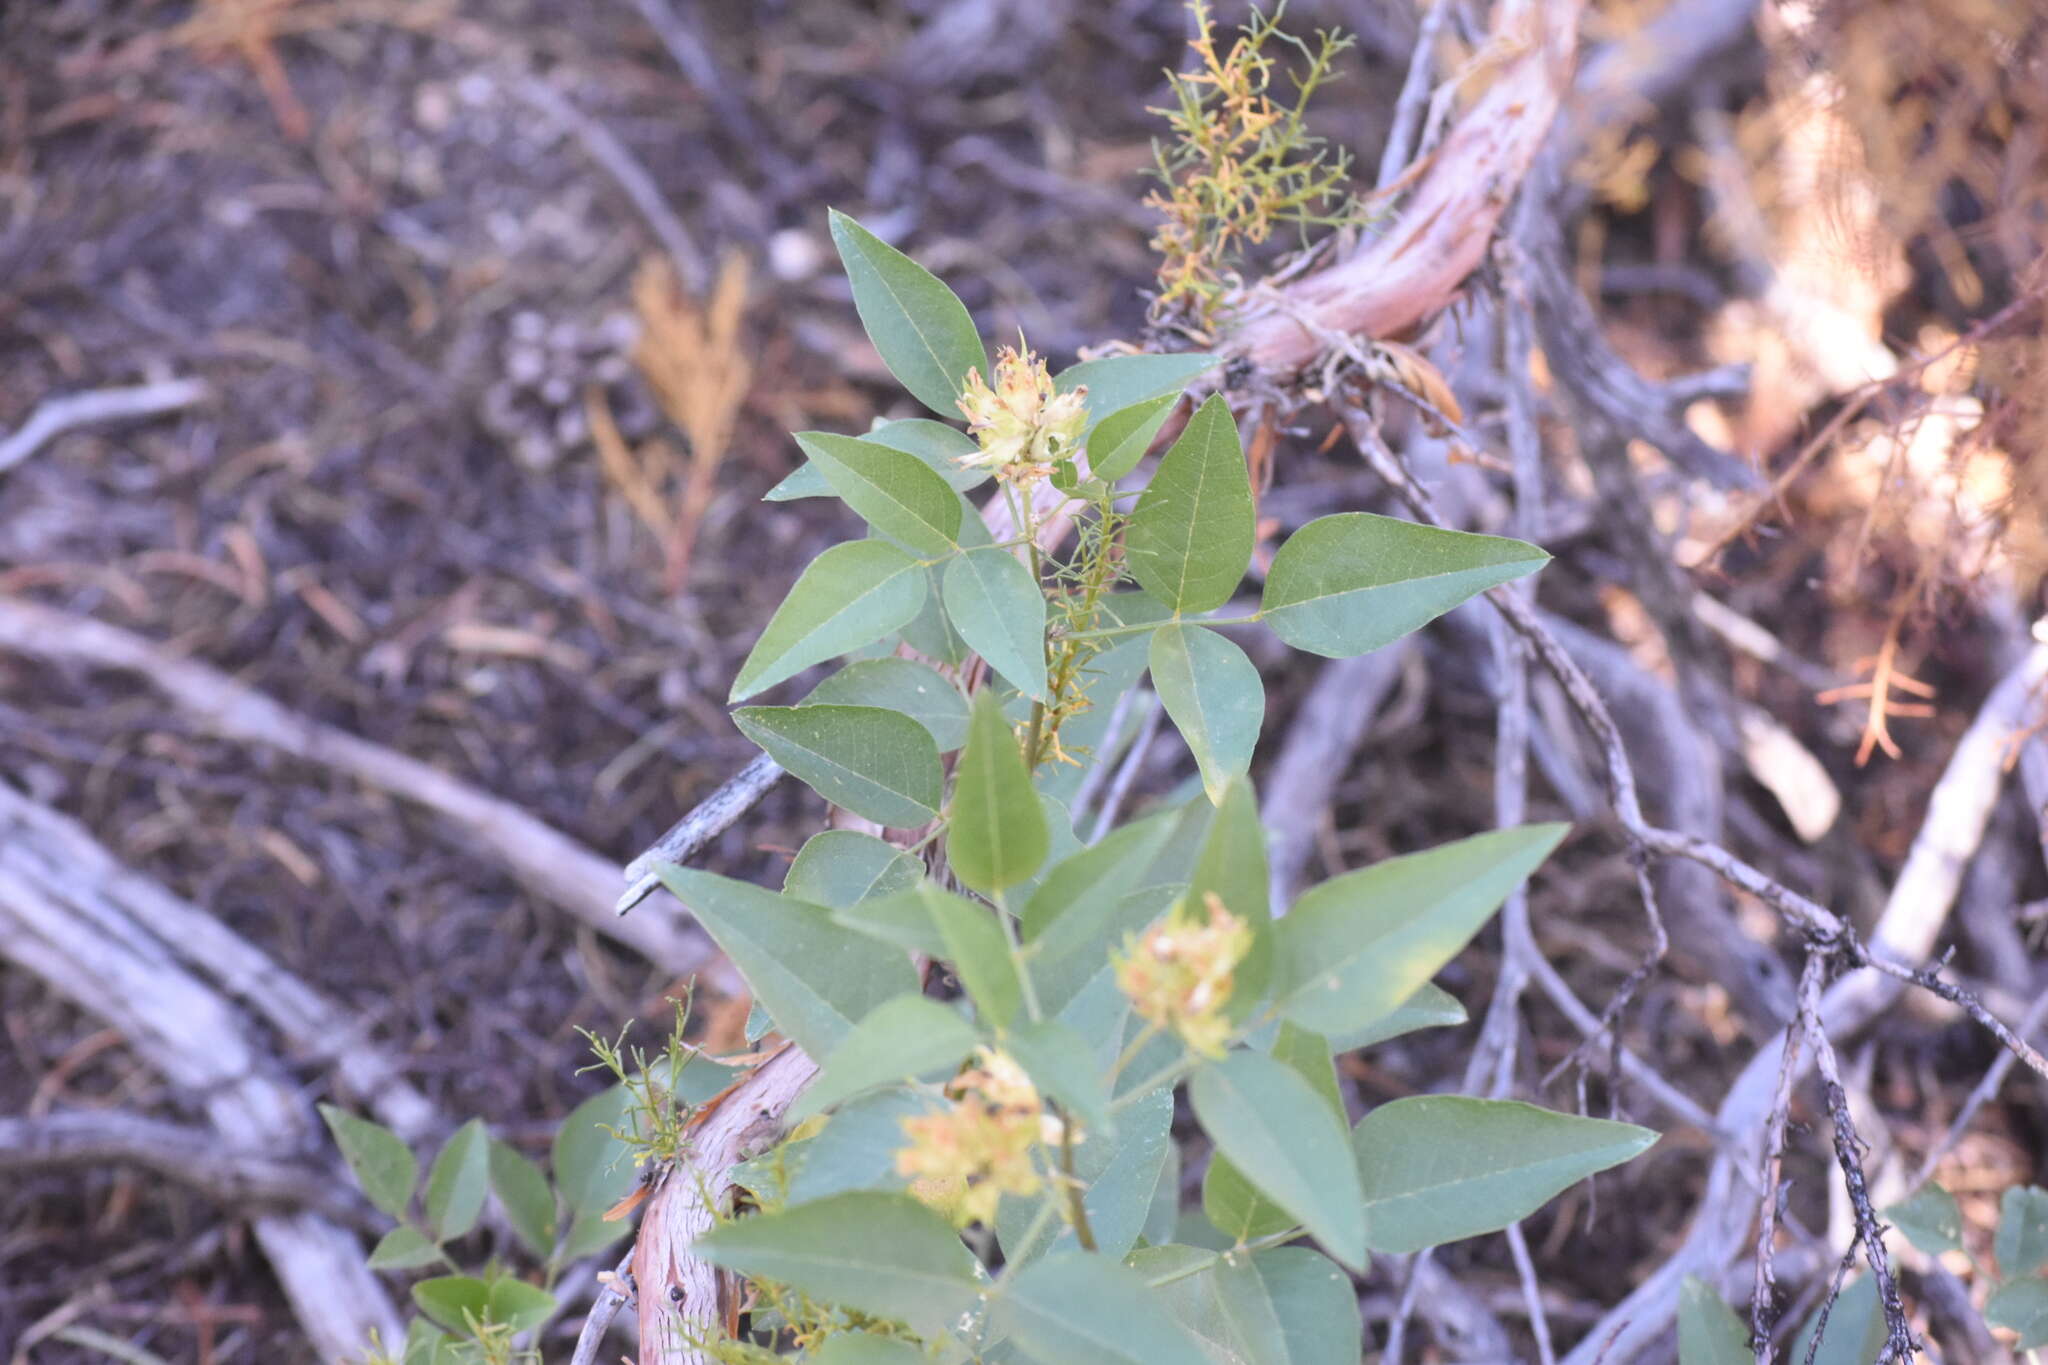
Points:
(1177, 974)
(1024, 425)
(965, 1157)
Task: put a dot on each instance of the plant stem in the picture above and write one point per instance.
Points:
(1164, 1076)
(1077, 1210)
(1106, 632)
(1271, 1239)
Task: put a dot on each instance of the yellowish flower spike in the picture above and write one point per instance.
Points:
(964, 1158)
(1023, 425)
(1177, 974)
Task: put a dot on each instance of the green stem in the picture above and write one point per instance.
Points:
(1164, 1076)
(1009, 923)
(1271, 1239)
(1077, 1210)
(1130, 1052)
(1107, 632)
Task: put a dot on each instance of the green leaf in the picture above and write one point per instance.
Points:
(1119, 381)
(1164, 1214)
(864, 1348)
(902, 918)
(1120, 1174)
(1232, 867)
(426, 1344)
(879, 764)
(897, 494)
(593, 1169)
(1121, 439)
(994, 602)
(972, 941)
(1439, 1168)
(899, 1040)
(1274, 1127)
(403, 1248)
(524, 1195)
(917, 690)
(453, 1300)
(1709, 1333)
(931, 631)
(1213, 693)
(1066, 913)
(519, 1305)
(884, 1254)
(1190, 536)
(383, 1165)
(923, 332)
(459, 1180)
(849, 596)
(1855, 1329)
(590, 1232)
(841, 867)
(1930, 1219)
(1357, 946)
(855, 1151)
(1084, 1309)
(995, 830)
(936, 444)
(1429, 1007)
(816, 977)
(1061, 1063)
(1231, 1203)
(2021, 1305)
(1282, 1306)
(1349, 583)
(2021, 1243)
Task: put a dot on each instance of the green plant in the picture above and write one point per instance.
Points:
(475, 1316)
(1240, 162)
(1095, 977)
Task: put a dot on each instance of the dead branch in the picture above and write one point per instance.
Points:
(313, 1027)
(711, 817)
(680, 1305)
(557, 867)
(1413, 270)
(79, 939)
(55, 416)
(191, 1155)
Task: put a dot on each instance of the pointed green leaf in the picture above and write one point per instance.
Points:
(1429, 1007)
(2021, 1243)
(1061, 1063)
(935, 443)
(902, 918)
(865, 1348)
(1213, 694)
(594, 1169)
(1079, 1308)
(974, 944)
(884, 1254)
(855, 1151)
(1358, 945)
(917, 690)
(899, 1040)
(1119, 1172)
(895, 493)
(1067, 913)
(923, 332)
(1275, 1128)
(2021, 1305)
(1232, 867)
(1709, 1333)
(1283, 1306)
(1855, 1329)
(1931, 1220)
(453, 1300)
(931, 631)
(1439, 1168)
(1121, 439)
(383, 1165)
(879, 764)
(1229, 1200)
(519, 1305)
(849, 596)
(524, 1195)
(1117, 382)
(1164, 1215)
(426, 1344)
(1190, 536)
(1349, 583)
(589, 1233)
(816, 977)
(841, 867)
(995, 604)
(459, 1180)
(405, 1247)
(995, 834)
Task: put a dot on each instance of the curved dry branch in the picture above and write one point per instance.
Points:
(573, 877)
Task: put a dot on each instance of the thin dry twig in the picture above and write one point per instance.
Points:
(55, 416)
